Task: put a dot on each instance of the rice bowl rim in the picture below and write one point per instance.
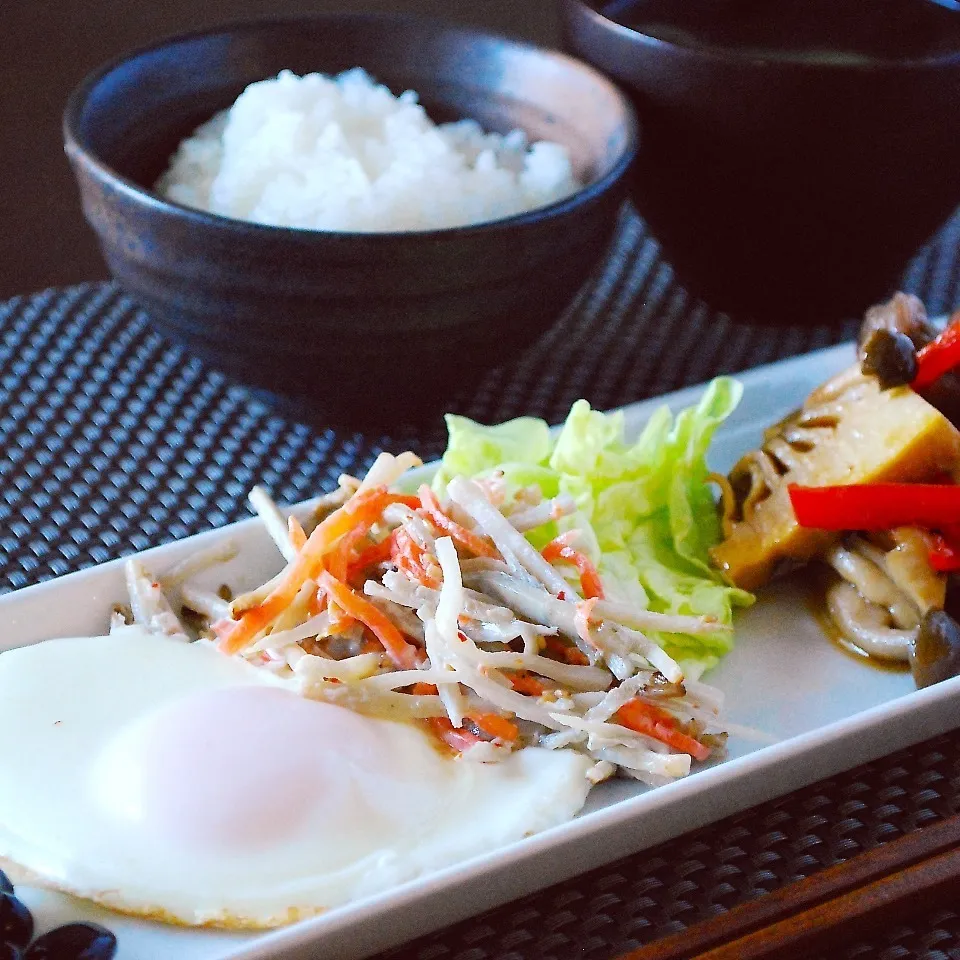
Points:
(79, 150)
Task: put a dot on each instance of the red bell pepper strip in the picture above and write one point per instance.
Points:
(944, 553)
(876, 506)
(939, 356)
(944, 556)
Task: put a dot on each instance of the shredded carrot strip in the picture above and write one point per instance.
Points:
(582, 618)
(495, 726)
(524, 682)
(344, 553)
(318, 603)
(378, 553)
(407, 499)
(653, 722)
(371, 646)
(297, 536)
(576, 656)
(476, 544)
(405, 555)
(403, 654)
(234, 635)
(566, 652)
(560, 549)
(408, 556)
(340, 622)
(423, 689)
(459, 740)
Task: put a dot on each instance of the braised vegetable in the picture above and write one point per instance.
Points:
(890, 357)
(865, 479)
(902, 313)
(908, 566)
(848, 432)
(938, 357)
(944, 555)
(905, 314)
(876, 506)
(936, 652)
(885, 587)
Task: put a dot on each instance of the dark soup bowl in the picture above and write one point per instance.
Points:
(370, 328)
(788, 176)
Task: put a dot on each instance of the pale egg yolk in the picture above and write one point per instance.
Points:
(244, 767)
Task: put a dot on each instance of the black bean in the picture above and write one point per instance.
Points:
(74, 941)
(16, 921)
(891, 357)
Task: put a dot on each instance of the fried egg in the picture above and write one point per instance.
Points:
(164, 779)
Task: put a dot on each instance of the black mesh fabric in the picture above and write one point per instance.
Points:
(114, 440)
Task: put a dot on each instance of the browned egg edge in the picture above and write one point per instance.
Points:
(110, 899)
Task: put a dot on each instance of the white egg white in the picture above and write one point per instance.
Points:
(163, 778)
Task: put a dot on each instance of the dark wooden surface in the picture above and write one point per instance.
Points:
(46, 47)
(849, 898)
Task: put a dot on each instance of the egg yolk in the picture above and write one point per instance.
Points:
(246, 767)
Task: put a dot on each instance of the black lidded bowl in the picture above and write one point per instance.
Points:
(365, 329)
(783, 190)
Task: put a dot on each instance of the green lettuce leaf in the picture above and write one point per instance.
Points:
(474, 449)
(645, 507)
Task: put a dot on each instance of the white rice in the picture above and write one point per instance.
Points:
(342, 153)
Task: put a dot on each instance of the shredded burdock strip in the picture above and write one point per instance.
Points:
(435, 608)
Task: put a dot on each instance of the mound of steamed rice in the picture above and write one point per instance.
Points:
(342, 153)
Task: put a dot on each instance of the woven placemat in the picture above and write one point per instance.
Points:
(600, 915)
(115, 440)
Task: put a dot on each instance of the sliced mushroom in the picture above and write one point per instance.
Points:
(867, 625)
(936, 653)
(874, 585)
(904, 314)
(909, 567)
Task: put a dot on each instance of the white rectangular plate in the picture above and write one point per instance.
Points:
(822, 711)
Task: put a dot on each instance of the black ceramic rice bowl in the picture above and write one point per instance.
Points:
(372, 328)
